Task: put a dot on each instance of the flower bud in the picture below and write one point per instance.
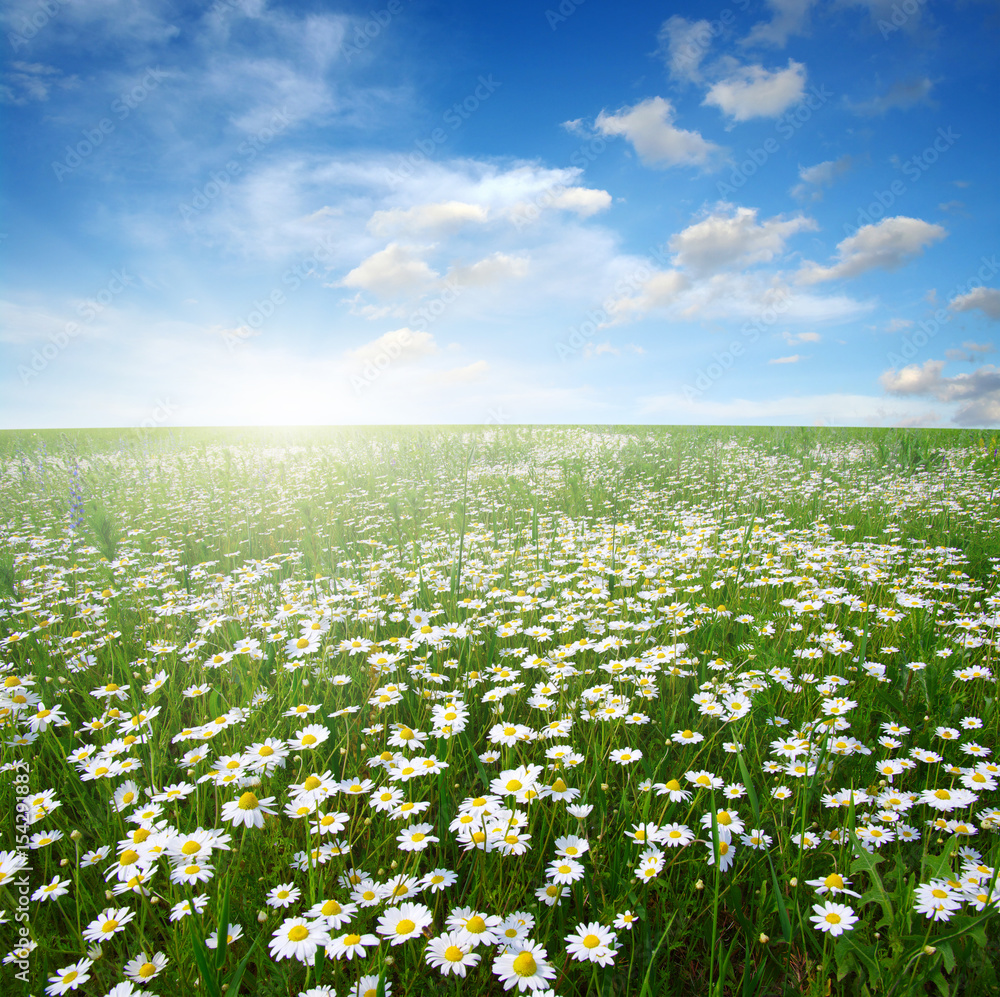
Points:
(261, 916)
(764, 939)
(929, 950)
(75, 834)
(700, 885)
(793, 882)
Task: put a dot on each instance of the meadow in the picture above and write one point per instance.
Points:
(558, 711)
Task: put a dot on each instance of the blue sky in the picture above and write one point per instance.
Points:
(248, 212)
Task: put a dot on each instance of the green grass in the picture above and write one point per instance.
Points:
(720, 557)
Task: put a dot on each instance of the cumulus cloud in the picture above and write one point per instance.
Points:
(661, 291)
(732, 236)
(970, 351)
(462, 375)
(986, 299)
(400, 345)
(491, 270)
(978, 393)
(887, 245)
(788, 17)
(683, 46)
(900, 96)
(391, 272)
(584, 201)
(755, 92)
(444, 216)
(649, 126)
(814, 178)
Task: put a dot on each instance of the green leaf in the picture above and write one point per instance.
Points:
(786, 924)
(222, 935)
(863, 862)
(751, 792)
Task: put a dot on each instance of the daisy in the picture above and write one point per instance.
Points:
(107, 924)
(592, 943)
(298, 938)
(248, 810)
(438, 879)
(234, 933)
(332, 912)
(674, 835)
(450, 954)
(551, 894)
(311, 736)
(673, 790)
(936, 900)
(415, 838)
(368, 986)
(405, 921)
(52, 891)
(834, 918)
(525, 966)
(347, 946)
(833, 884)
(473, 927)
(625, 920)
(144, 968)
(69, 978)
(283, 895)
(183, 908)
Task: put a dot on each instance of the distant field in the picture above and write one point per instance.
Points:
(596, 710)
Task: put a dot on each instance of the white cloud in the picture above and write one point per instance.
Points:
(832, 409)
(462, 375)
(491, 270)
(731, 236)
(898, 324)
(970, 351)
(900, 96)
(649, 126)
(443, 216)
(978, 392)
(887, 245)
(755, 92)
(399, 346)
(584, 201)
(392, 272)
(825, 174)
(684, 45)
(794, 358)
(788, 17)
(986, 299)
(801, 337)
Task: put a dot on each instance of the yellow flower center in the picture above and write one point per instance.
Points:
(525, 965)
(128, 857)
(297, 933)
(190, 848)
(833, 918)
(248, 802)
(109, 926)
(475, 924)
(405, 926)
(147, 969)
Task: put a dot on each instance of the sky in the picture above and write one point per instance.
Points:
(250, 212)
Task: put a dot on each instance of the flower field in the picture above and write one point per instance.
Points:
(630, 711)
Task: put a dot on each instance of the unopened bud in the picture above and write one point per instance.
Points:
(764, 939)
(261, 916)
(929, 950)
(63, 862)
(700, 885)
(75, 834)
(793, 882)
